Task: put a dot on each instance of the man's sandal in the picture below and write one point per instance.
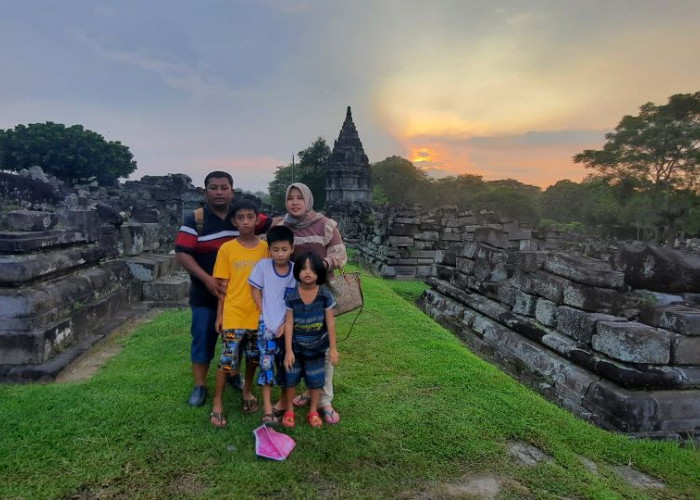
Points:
(314, 419)
(250, 405)
(288, 419)
(270, 418)
(301, 400)
(330, 416)
(217, 419)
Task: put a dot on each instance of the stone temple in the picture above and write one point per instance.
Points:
(348, 174)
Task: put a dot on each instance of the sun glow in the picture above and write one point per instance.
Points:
(423, 154)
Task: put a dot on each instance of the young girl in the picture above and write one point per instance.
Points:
(309, 331)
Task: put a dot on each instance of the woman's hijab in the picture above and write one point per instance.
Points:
(309, 216)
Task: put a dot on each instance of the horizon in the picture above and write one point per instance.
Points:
(508, 90)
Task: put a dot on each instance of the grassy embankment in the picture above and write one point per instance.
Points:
(419, 410)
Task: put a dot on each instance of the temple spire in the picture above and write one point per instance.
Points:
(348, 174)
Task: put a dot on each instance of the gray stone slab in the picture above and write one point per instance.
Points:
(493, 237)
(594, 299)
(584, 270)
(632, 342)
(580, 325)
(36, 306)
(427, 236)
(546, 312)
(525, 304)
(685, 350)
(18, 269)
(30, 220)
(681, 318)
(25, 242)
(549, 286)
(168, 289)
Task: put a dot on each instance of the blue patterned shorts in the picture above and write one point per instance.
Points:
(313, 369)
(234, 341)
(269, 351)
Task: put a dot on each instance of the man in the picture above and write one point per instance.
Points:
(196, 245)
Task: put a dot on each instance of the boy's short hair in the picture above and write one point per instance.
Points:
(244, 204)
(316, 265)
(218, 174)
(280, 233)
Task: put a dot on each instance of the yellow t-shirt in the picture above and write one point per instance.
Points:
(234, 262)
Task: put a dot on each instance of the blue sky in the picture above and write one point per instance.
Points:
(500, 89)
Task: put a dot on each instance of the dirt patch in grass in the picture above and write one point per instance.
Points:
(187, 485)
(468, 487)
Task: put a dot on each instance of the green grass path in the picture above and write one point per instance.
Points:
(418, 408)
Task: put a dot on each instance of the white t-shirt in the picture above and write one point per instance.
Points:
(264, 277)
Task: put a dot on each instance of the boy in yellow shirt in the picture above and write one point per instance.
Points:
(237, 316)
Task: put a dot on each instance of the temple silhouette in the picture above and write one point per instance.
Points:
(348, 173)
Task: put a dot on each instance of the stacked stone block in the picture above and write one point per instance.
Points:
(568, 325)
(73, 267)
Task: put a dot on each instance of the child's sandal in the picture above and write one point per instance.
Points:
(314, 419)
(288, 419)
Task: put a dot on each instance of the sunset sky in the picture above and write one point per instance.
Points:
(503, 89)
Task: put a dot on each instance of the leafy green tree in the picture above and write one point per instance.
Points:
(511, 198)
(600, 208)
(640, 213)
(657, 152)
(399, 180)
(73, 154)
(659, 146)
(562, 202)
(311, 170)
(460, 190)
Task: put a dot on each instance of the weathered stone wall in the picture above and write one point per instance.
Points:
(569, 325)
(74, 263)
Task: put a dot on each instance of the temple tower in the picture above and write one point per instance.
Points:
(348, 174)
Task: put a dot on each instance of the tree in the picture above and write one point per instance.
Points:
(658, 152)
(511, 198)
(562, 202)
(73, 154)
(311, 170)
(399, 180)
(460, 190)
(660, 146)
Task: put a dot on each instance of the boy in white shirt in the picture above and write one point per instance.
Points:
(269, 280)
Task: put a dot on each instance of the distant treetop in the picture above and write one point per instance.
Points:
(73, 154)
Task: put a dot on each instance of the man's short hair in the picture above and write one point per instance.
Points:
(280, 233)
(218, 174)
(245, 204)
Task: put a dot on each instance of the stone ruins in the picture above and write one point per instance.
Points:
(78, 262)
(611, 333)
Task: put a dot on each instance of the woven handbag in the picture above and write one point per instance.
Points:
(347, 290)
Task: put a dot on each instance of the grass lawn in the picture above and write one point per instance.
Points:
(419, 412)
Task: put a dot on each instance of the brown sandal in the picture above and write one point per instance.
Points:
(217, 419)
(270, 418)
(250, 405)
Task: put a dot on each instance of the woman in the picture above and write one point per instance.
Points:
(314, 232)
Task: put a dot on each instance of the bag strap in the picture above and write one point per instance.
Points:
(199, 220)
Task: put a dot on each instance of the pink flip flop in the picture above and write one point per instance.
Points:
(329, 416)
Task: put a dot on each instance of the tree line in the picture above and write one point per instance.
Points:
(644, 183)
